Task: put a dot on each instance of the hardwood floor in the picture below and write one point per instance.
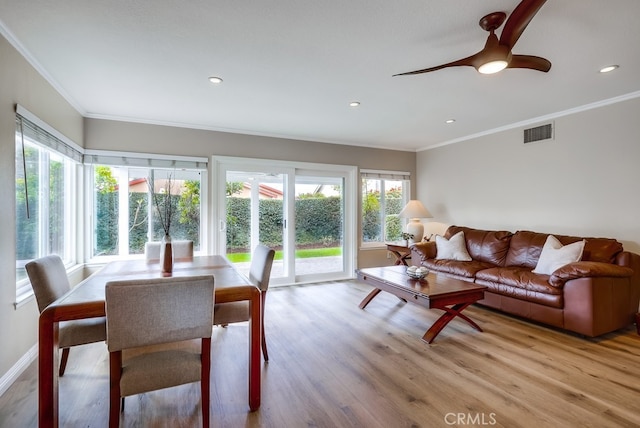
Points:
(334, 365)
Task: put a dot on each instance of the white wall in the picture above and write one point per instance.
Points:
(585, 182)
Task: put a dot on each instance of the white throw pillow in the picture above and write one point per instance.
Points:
(554, 255)
(452, 249)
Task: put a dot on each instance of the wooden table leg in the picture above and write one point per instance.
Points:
(404, 258)
(449, 314)
(254, 349)
(401, 258)
(369, 297)
(47, 377)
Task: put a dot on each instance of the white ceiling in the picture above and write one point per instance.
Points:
(291, 67)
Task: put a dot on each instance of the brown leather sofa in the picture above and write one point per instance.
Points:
(594, 296)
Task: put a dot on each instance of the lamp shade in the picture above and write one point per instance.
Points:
(414, 209)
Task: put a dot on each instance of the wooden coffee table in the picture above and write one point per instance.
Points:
(435, 291)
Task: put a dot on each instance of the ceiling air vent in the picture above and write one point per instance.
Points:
(543, 132)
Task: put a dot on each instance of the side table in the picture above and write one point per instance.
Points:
(401, 252)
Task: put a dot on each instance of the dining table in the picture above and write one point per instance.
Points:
(87, 300)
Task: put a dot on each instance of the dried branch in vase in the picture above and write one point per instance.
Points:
(162, 202)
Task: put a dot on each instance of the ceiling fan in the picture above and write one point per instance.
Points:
(496, 54)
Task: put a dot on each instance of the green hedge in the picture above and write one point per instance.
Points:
(106, 232)
(371, 220)
(318, 222)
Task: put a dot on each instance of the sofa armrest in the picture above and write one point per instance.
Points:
(421, 251)
(632, 260)
(588, 269)
(595, 306)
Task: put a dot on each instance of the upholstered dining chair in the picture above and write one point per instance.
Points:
(259, 274)
(181, 250)
(151, 328)
(49, 281)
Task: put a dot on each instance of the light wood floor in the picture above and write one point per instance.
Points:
(334, 365)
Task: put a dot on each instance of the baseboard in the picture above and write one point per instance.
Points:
(20, 366)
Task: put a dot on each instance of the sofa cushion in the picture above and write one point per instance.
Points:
(456, 267)
(526, 247)
(489, 246)
(454, 248)
(521, 283)
(597, 249)
(554, 255)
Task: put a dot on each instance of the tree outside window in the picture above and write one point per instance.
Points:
(382, 201)
(139, 215)
(42, 211)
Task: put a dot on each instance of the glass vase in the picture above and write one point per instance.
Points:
(166, 255)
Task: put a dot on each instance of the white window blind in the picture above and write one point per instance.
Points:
(26, 124)
(95, 157)
(386, 175)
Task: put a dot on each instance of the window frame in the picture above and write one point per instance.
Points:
(383, 176)
(36, 134)
(125, 163)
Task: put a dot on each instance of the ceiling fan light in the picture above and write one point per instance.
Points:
(492, 67)
(608, 68)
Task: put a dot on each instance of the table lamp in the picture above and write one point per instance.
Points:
(414, 210)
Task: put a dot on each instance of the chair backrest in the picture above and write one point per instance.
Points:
(260, 269)
(181, 250)
(159, 310)
(48, 278)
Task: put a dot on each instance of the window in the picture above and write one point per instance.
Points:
(45, 207)
(124, 214)
(384, 194)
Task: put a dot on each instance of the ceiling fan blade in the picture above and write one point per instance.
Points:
(530, 61)
(461, 62)
(518, 21)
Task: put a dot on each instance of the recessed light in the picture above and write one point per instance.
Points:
(214, 79)
(608, 68)
(354, 103)
(449, 121)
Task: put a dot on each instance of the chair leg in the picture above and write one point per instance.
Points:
(205, 380)
(264, 348)
(265, 354)
(63, 361)
(115, 370)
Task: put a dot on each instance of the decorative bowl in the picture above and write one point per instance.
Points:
(417, 274)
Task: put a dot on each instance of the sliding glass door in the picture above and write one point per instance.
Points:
(255, 213)
(303, 213)
(319, 210)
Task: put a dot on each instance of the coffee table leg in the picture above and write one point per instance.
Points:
(470, 321)
(450, 313)
(369, 297)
